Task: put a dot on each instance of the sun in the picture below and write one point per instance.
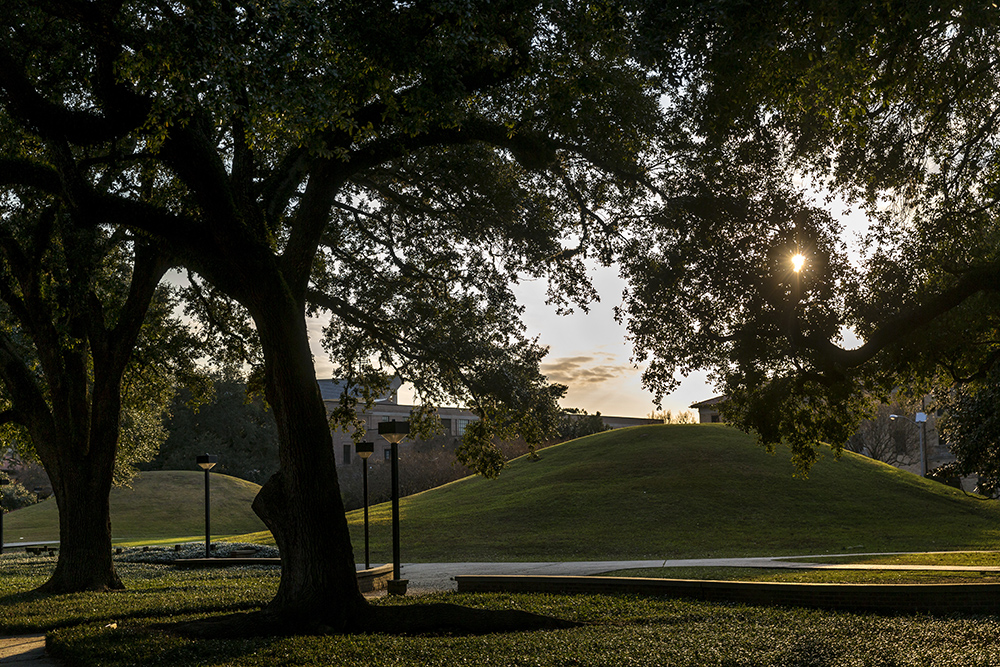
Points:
(798, 260)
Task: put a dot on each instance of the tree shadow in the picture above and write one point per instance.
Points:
(416, 619)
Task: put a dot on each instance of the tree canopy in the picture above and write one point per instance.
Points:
(891, 108)
(396, 165)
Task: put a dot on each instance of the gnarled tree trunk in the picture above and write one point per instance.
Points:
(301, 504)
(81, 492)
(81, 470)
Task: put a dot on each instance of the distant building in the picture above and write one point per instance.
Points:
(625, 422)
(708, 411)
(387, 408)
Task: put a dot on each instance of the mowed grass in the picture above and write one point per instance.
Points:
(618, 630)
(650, 492)
(162, 504)
(132, 628)
(679, 491)
(647, 492)
(811, 576)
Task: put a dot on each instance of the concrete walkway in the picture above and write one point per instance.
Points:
(429, 577)
(25, 650)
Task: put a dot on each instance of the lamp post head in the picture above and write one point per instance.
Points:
(393, 431)
(364, 449)
(207, 461)
(893, 417)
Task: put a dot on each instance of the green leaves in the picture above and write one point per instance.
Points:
(891, 108)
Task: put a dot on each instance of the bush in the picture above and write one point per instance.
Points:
(13, 496)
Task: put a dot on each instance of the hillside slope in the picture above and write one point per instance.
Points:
(678, 491)
(161, 504)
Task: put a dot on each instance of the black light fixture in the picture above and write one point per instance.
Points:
(364, 450)
(394, 432)
(206, 462)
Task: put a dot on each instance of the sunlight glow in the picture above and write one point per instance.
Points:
(798, 260)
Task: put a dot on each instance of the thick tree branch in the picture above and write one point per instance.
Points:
(116, 345)
(982, 279)
(309, 224)
(55, 121)
(21, 171)
(24, 392)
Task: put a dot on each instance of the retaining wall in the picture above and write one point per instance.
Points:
(933, 598)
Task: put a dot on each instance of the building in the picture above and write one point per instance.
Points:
(387, 408)
(708, 411)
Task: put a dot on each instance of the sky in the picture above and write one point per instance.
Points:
(588, 353)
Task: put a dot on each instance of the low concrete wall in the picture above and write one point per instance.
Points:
(933, 598)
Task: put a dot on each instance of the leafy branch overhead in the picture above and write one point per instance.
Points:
(890, 109)
(396, 166)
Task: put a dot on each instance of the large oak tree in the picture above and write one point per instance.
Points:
(891, 107)
(396, 165)
(82, 390)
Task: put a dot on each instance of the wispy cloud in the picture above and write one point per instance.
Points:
(586, 370)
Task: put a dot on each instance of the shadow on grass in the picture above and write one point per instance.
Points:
(427, 619)
(131, 643)
(29, 611)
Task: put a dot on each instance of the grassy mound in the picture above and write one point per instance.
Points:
(679, 491)
(160, 504)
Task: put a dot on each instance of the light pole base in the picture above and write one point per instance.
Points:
(396, 586)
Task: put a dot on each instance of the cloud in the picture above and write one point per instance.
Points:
(583, 371)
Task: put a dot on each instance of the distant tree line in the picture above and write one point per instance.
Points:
(231, 423)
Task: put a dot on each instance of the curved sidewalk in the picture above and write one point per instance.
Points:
(576, 577)
(425, 577)
(26, 650)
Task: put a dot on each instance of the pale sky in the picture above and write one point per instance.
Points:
(587, 352)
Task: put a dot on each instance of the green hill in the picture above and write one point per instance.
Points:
(679, 492)
(161, 504)
(646, 492)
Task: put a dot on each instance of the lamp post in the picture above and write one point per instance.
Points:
(920, 420)
(364, 450)
(206, 462)
(394, 432)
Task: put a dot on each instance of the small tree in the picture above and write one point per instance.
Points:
(892, 441)
(576, 423)
(971, 428)
(670, 417)
(229, 422)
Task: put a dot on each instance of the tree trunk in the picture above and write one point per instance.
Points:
(301, 504)
(79, 457)
(82, 486)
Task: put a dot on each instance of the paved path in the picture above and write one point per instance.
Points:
(25, 650)
(427, 577)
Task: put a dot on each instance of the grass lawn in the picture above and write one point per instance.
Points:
(812, 576)
(680, 492)
(969, 558)
(130, 628)
(640, 493)
(646, 492)
(161, 506)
